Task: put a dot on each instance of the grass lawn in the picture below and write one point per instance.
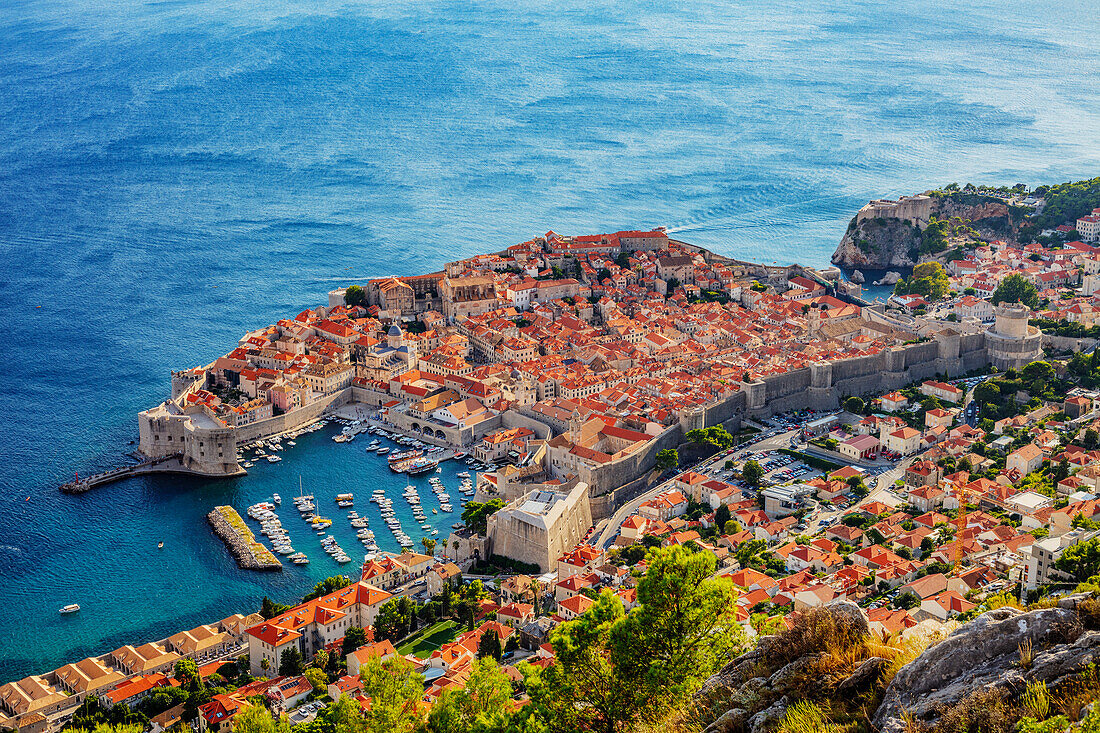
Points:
(426, 641)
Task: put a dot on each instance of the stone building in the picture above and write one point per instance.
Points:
(396, 297)
(540, 526)
(468, 296)
(1012, 343)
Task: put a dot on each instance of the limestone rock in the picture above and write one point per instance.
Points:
(857, 277)
(793, 676)
(854, 614)
(885, 241)
(864, 676)
(890, 278)
(730, 721)
(770, 718)
(986, 653)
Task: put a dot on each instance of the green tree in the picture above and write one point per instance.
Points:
(481, 705)
(258, 719)
(533, 588)
(328, 585)
(752, 472)
(290, 663)
(342, 716)
(667, 459)
(269, 609)
(722, 515)
(429, 545)
(488, 647)
(929, 280)
(613, 669)
(581, 691)
(1016, 289)
(187, 672)
(111, 727)
(476, 514)
(393, 620)
(317, 678)
(1091, 439)
(354, 296)
(354, 638)
(747, 552)
(906, 600)
(320, 659)
(935, 236)
(1081, 560)
(395, 689)
(987, 392)
(854, 405)
(683, 627)
(1061, 471)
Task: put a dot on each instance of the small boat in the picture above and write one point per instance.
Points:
(160, 545)
(434, 511)
(273, 459)
(71, 608)
(277, 499)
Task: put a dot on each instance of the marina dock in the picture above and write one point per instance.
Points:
(242, 544)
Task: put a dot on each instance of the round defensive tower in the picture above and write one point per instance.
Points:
(1012, 343)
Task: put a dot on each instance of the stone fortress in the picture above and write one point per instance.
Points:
(917, 209)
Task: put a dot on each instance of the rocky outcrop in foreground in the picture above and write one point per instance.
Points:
(831, 659)
(1002, 650)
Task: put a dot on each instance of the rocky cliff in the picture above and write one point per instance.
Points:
(878, 238)
(985, 675)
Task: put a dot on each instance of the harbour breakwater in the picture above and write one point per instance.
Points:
(238, 538)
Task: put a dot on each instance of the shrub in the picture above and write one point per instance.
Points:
(982, 711)
(818, 630)
(1088, 611)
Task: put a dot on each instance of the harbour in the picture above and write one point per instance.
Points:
(348, 522)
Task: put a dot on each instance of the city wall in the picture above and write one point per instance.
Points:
(824, 386)
(1068, 343)
(292, 420)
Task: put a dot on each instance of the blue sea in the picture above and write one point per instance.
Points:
(175, 172)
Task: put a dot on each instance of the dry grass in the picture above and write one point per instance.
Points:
(1003, 599)
(817, 631)
(1088, 611)
(983, 711)
(1035, 702)
(1077, 692)
(806, 717)
(899, 651)
(1027, 654)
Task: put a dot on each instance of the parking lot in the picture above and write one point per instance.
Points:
(305, 713)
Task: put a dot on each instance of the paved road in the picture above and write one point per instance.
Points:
(611, 528)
